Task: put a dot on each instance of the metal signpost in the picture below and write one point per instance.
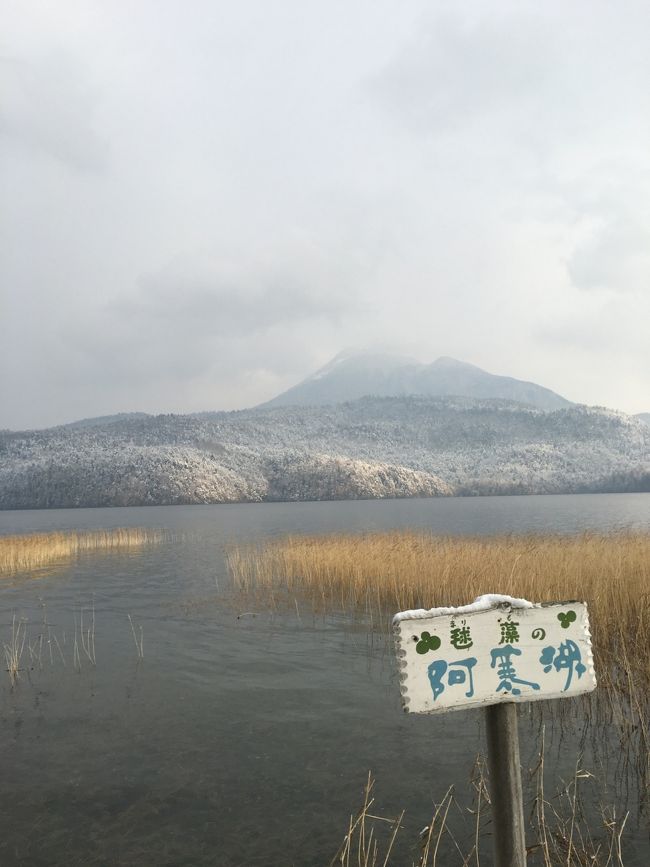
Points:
(494, 653)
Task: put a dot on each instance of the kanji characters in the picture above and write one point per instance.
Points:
(458, 672)
(509, 631)
(566, 656)
(460, 636)
(502, 661)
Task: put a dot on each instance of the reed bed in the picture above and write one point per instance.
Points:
(36, 551)
(379, 574)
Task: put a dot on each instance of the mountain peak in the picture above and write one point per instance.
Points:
(352, 363)
(351, 375)
(446, 361)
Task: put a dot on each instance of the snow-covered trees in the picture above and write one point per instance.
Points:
(372, 447)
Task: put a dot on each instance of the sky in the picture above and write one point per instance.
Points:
(202, 202)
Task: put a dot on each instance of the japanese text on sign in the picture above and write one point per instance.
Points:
(496, 649)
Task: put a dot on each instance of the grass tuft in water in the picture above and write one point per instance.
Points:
(14, 649)
(34, 551)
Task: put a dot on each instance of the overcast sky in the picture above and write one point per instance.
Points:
(203, 202)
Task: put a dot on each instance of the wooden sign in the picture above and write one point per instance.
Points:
(498, 649)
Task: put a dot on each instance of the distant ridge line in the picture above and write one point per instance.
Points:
(350, 376)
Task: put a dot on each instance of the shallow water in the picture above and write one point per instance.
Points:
(242, 741)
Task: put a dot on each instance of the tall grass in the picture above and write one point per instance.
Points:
(14, 650)
(28, 553)
(557, 828)
(381, 573)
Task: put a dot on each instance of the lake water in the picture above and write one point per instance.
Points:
(245, 741)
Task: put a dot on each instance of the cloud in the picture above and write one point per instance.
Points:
(200, 312)
(453, 70)
(542, 117)
(601, 325)
(612, 251)
(48, 107)
(538, 77)
(204, 205)
(615, 256)
(216, 297)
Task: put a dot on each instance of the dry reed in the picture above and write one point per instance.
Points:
(139, 642)
(559, 831)
(379, 574)
(28, 553)
(14, 650)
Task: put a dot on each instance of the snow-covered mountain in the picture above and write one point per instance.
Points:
(101, 420)
(353, 375)
(371, 447)
(644, 417)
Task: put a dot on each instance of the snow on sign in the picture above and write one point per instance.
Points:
(496, 649)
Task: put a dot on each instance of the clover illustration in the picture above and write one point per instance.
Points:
(426, 642)
(566, 618)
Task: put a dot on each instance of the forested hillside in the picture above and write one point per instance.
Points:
(373, 447)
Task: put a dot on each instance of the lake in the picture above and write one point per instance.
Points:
(247, 740)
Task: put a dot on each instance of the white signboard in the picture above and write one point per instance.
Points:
(496, 649)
